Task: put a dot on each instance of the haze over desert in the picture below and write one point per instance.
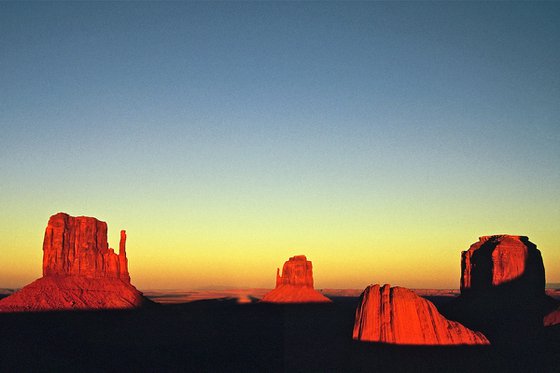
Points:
(279, 186)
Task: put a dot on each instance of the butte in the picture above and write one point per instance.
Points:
(80, 271)
(398, 316)
(502, 289)
(295, 285)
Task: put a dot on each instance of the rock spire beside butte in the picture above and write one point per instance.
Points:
(80, 271)
(295, 285)
(502, 289)
(399, 316)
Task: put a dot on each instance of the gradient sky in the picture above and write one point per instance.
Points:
(379, 139)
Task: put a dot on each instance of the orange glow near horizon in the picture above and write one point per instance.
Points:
(343, 255)
(379, 139)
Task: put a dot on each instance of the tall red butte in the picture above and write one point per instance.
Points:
(399, 316)
(502, 289)
(295, 285)
(80, 271)
(511, 263)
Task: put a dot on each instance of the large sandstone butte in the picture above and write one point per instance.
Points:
(511, 263)
(80, 271)
(398, 316)
(77, 246)
(502, 290)
(295, 285)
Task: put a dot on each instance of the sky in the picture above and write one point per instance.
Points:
(379, 139)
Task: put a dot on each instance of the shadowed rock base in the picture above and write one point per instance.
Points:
(502, 290)
(399, 316)
(552, 318)
(505, 263)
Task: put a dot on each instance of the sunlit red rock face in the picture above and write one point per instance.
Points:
(502, 290)
(78, 246)
(80, 271)
(295, 285)
(399, 316)
(502, 262)
(297, 271)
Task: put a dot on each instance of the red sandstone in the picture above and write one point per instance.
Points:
(80, 271)
(399, 316)
(78, 246)
(502, 260)
(295, 285)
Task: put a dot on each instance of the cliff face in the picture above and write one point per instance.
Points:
(80, 271)
(399, 316)
(297, 271)
(77, 246)
(295, 285)
(505, 262)
(502, 290)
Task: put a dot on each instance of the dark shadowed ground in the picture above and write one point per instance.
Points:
(222, 335)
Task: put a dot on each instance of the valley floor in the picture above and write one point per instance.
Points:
(223, 335)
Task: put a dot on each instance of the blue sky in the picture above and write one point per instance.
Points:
(420, 118)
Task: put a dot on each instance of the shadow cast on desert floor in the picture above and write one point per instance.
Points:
(223, 335)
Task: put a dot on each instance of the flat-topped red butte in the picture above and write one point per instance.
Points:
(500, 261)
(78, 246)
(80, 271)
(399, 316)
(295, 285)
(502, 289)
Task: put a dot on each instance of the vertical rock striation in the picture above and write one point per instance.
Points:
(295, 285)
(297, 271)
(505, 262)
(399, 316)
(80, 270)
(77, 246)
(502, 290)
